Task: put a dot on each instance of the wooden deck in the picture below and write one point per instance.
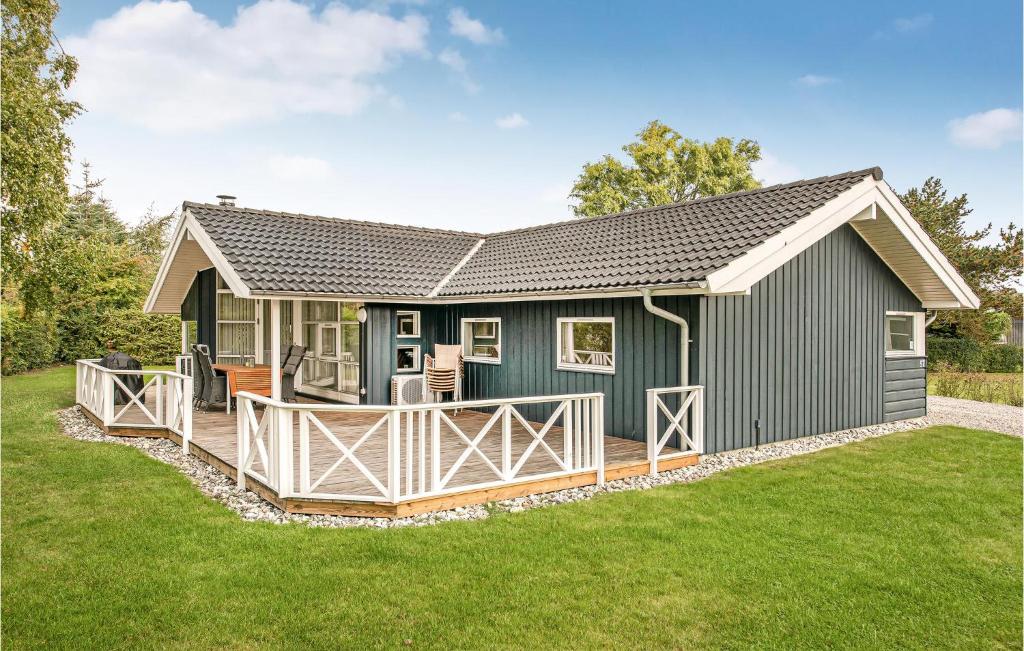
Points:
(214, 439)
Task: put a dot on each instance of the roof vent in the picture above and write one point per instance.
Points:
(226, 199)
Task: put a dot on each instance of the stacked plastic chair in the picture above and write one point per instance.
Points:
(444, 371)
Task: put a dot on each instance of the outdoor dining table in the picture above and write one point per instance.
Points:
(254, 379)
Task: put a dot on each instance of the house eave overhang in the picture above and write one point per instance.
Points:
(865, 203)
(188, 229)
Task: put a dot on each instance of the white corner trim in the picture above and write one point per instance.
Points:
(741, 274)
(451, 274)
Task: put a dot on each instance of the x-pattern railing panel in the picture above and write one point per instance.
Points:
(347, 453)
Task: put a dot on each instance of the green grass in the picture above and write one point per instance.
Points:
(1003, 388)
(909, 540)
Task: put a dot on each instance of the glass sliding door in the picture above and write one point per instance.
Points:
(236, 328)
(286, 328)
(330, 333)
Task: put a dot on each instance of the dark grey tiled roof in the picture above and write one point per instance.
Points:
(272, 251)
(675, 244)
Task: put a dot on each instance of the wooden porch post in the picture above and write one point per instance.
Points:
(275, 349)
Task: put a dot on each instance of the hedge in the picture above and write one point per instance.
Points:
(25, 344)
(969, 355)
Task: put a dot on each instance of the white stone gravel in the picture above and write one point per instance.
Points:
(250, 506)
(976, 415)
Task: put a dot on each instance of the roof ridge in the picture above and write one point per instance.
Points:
(345, 220)
(875, 171)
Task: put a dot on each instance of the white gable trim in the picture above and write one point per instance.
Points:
(858, 203)
(188, 227)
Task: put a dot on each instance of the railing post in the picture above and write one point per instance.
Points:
(242, 446)
(698, 421)
(435, 449)
(422, 466)
(158, 408)
(304, 481)
(285, 456)
(567, 426)
(107, 382)
(506, 443)
(394, 455)
(186, 414)
(599, 438)
(652, 432)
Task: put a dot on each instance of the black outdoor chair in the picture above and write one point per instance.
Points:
(197, 378)
(215, 387)
(289, 367)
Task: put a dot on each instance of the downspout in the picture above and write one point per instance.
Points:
(931, 319)
(684, 335)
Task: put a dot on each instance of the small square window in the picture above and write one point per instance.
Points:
(408, 359)
(481, 340)
(408, 324)
(904, 334)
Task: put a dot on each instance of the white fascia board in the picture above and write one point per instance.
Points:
(741, 274)
(188, 227)
(908, 226)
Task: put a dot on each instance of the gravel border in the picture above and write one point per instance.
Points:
(249, 506)
(1005, 419)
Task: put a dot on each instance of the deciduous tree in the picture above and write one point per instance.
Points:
(664, 168)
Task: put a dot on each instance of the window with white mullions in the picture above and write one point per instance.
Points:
(481, 340)
(904, 334)
(408, 324)
(586, 344)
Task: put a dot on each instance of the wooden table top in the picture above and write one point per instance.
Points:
(242, 368)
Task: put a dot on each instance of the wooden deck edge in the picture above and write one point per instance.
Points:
(128, 431)
(626, 469)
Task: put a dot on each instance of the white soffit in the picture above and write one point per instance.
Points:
(878, 216)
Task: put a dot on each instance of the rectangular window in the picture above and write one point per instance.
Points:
(586, 344)
(236, 328)
(904, 334)
(408, 324)
(408, 359)
(481, 340)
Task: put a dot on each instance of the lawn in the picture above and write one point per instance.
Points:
(909, 540)
(1003, 388)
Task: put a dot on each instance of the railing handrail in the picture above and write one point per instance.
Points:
(661, 390)
(461, 404)
(113, 371)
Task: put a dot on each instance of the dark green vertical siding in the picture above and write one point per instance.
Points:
(200, 305)
(804, 352)
(377, 364)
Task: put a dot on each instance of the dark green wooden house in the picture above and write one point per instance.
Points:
(798, 309)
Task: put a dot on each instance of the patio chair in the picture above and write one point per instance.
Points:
(444, 371)
(289, 367)
(215, 387)
(197, 378)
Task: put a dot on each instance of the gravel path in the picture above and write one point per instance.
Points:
(976, 415)
(249, 506)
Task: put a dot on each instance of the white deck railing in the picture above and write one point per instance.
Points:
(171, 394)
(405, 452)
(183, 365)
(686, 421)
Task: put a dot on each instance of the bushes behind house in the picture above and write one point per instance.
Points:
(970, 356)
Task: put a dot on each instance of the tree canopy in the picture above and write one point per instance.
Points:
(664, 168)
(33, 79)
(992, 266)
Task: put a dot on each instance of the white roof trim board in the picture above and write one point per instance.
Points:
(861, 199)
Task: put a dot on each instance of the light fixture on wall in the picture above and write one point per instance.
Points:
(361, 315)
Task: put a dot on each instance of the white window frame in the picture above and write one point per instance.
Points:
(585, 368)
(416, 358)
(496, 335)
(415, 324)
(919, 335)
(256, 323)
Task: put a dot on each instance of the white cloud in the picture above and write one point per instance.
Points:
(457, 116)
(299, 168)
(986, 130)
(454, 60)
(813, 81)
(770, 170)
(462, 25)
(512, 121)
(168, 67)
(912, 24)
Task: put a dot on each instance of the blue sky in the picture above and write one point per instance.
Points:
(479, 115)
